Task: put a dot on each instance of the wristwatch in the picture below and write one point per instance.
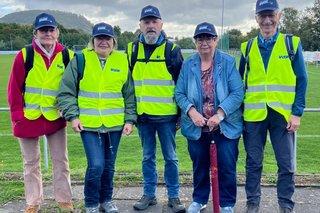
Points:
(220, 117)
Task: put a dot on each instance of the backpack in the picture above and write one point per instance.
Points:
(134, 54)
(289, 46)
(28, 64)
(80, 64)
(30, 57)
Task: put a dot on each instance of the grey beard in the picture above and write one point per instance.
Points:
(151, 39)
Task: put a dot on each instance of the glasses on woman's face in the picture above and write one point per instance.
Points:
(207, 39)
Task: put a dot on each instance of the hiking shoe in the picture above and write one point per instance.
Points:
(109, 207)
(196, 207)
(285, 210)
(65, 206)
(227, 209)
(176, 205)
(92, 209)
(252, 208)
(32, 209)
(144, 202)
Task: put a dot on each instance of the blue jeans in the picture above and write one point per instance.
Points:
(101, 155)
(166, 133)
(254, 137)
(227, 153)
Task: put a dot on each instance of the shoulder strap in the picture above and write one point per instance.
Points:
(167, 53)
(134, 54)
(80, 64)
(289, 46)
(65, 57)
(28, 64)
(249, 45)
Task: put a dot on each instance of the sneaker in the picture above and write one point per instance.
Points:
(32, 209)
(252, 208)
(145, 202)
(109, 207)
(176, 205)
(65, 206)
(196, 207)
(227, 209)
(92, 209)
(285, 210)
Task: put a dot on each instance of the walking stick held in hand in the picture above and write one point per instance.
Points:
(214, 175)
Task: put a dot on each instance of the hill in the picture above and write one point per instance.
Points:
(68, 20)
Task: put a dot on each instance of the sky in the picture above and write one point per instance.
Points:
(179, 17)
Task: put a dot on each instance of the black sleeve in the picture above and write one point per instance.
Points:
(176, 63)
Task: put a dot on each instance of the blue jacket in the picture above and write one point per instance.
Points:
(228, 94)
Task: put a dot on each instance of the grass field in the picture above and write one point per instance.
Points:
(130, 153)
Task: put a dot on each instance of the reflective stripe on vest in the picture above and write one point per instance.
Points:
(274, 87)
(41, 87)
(154, 87)
(100, 98)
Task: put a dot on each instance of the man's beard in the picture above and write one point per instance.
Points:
(151, 38)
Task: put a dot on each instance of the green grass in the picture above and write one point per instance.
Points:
(130, 152)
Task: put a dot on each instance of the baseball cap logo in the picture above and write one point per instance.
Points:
(101, 28)
(148, 10)
(265, 2)
(44, 19)
(205, 27)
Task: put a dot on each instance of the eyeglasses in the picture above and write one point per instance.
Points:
(208, 40)
(265, 15)
(103, 37)
(47, 29)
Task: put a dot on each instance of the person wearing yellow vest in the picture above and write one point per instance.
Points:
(275, 90)
(34, 113)
(101, 106)
(154, 80)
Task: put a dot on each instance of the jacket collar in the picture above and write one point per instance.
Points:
(217, 63)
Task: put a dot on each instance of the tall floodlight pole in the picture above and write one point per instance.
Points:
(222, 13)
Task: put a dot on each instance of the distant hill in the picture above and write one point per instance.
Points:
(68, 20)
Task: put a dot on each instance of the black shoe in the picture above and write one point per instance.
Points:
(145, 202)
(252, 208)
(176, 205)
(285, 210)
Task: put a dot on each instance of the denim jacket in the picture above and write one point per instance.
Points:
(228, 94)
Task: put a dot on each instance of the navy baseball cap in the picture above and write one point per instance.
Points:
(44, 20)
(263, 5)
(150, 11)
(102, 29)
(205, 28)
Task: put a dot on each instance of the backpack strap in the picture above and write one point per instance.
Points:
(65, 57)
(28, 64)
(249, 45)
(80, 64)
(135, 49)
(289, 46)
(167, 54)
(134, 54)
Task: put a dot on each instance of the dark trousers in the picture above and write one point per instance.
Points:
(227, 151)
(255, 135)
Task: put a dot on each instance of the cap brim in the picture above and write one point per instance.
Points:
(103, 34)
(150, 16)
(266, 9)
(46, 25)
(202, 33)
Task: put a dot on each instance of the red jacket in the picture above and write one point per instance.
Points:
(22, 127)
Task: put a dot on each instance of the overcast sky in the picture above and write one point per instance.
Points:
(179, 16)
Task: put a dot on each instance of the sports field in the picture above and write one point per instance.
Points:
(130, 153)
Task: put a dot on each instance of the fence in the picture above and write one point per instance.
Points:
(45, 144)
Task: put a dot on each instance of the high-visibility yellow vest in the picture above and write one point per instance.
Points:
(154, 86)
(41, 87)
(100, 97)
(274, 87)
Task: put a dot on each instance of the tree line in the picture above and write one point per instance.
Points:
(305, 24)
